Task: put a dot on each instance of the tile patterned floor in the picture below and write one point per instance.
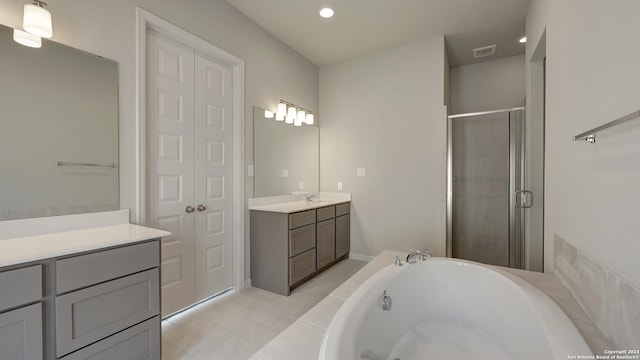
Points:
(236, 325)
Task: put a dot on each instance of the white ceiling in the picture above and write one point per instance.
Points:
(364, 26)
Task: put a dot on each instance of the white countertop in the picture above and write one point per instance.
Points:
(33, 248)
(295, 203)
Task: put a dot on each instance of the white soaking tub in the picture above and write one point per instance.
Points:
(450, 309)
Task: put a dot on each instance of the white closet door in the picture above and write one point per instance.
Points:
(213, 176)
(170, 136)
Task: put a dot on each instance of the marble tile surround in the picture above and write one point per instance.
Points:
(303, 339)
(612, 303)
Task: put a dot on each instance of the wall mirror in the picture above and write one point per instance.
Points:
(286, 157)
(58, 130)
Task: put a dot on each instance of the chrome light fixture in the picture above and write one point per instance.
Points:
(26, 39)
(291, 114)
(37, 19)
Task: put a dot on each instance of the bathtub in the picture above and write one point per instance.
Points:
(450, 309)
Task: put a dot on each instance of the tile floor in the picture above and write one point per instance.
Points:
(236, 325)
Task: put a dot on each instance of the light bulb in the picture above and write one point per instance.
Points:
(301, 116)
(298, 121)
(281, 110)
(37, 21)
(268, 114)
(309, 119)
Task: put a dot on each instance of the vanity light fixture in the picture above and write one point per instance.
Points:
(291, 114)
(37, 19)
(26, 39)
(523, 40)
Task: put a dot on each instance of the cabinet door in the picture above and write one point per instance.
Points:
(343, 240)
(325, 242)
(21, 333)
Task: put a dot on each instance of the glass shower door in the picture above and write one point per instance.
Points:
(485, 162)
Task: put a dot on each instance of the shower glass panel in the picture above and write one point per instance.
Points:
(484, 173)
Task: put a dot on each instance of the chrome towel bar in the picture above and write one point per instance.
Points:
(66, 163)
(590, 136)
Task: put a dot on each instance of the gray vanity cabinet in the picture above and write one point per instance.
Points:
(21, 335)
(289, 248)
(101, 304)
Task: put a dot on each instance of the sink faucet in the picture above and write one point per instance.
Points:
(418, 254)
(310, 197)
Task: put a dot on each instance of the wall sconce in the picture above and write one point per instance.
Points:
(291, 114)
(36, 22)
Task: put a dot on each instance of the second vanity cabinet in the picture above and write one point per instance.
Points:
(289, 248)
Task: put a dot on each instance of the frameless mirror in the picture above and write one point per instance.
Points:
(58, 130)
(286, 157)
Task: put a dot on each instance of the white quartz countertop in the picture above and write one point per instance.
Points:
(33, 248)
(295, 206)
(295, 203)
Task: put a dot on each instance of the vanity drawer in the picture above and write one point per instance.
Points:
(138, 342)
(85, 270)
(21, 333)
(20, 286)
(302, 266)
(302, 218)
(302, 239)
(91, 314)
(326, 213)
(343, 209)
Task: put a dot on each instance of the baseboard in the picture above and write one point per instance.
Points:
(361, 257)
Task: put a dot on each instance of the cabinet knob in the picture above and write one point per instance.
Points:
(202, 208)
(189, 209)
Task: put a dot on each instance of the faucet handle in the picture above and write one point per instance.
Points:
(397, 262)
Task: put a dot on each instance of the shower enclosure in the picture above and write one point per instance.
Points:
(485, 179)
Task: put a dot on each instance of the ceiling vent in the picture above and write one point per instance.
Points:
(484, 51)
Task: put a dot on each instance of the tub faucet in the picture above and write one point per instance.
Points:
(418, 254)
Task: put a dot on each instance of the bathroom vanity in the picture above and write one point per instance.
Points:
(293, 241)
(82, 293)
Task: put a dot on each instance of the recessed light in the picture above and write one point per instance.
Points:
(523, 40)
(326, 12)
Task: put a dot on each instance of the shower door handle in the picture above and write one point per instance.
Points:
(524, 199)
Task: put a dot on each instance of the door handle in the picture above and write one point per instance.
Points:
(189, 209)
(526, 198)
(202, 208)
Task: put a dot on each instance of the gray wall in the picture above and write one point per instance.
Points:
(384, 112)
(273, 71)
(491, 85)
(592, 200)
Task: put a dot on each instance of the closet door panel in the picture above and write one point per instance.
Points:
(213, 176)
(170, 162)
